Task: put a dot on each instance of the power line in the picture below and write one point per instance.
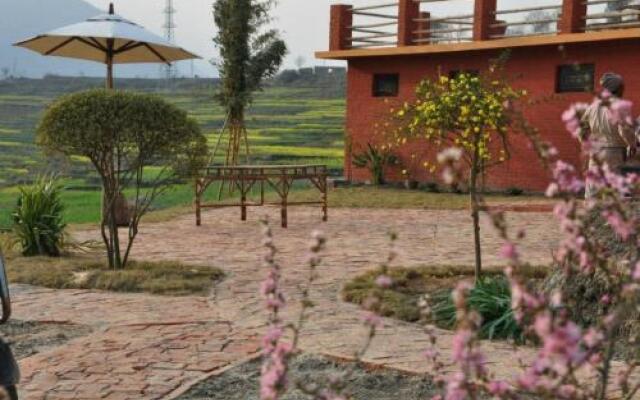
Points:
(169, 27)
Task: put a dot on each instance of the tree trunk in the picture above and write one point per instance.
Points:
(117, 257)
(475, 210)
(237, 135)
(109, 225)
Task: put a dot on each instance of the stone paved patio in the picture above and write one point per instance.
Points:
(151, 347)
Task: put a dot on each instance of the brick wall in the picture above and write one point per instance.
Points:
(533, 69)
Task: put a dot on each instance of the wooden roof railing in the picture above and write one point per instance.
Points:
(404, 23)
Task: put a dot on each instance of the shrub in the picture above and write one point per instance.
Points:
(375, 160)
(432, 187)
(38, 221)
(491, 298)
(514, 191)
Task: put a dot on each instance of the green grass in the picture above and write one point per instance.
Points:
(286, 125)
(83, 206)
(83, 272)
(491, 299)
(394, 198)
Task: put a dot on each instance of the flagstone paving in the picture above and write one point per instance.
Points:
(152, 347)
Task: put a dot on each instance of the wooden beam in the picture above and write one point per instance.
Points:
(484, 17)
(573, 16)
(341, 21)
(408, 11)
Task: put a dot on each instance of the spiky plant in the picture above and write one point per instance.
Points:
(491, 298)
(375, 160)
(38, 222)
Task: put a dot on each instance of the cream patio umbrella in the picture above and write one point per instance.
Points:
(109, 39)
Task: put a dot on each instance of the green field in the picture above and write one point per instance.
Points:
(286, 125)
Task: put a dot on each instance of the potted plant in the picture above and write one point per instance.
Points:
(408, 173)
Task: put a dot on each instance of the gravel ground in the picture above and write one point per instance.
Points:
(28, 338)
(241, 383)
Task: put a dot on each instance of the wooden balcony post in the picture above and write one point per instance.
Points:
(484, 17)
(408, 11)
(573, 16)
(424, 26)
(341, 21)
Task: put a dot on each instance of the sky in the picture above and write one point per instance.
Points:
(304, 24)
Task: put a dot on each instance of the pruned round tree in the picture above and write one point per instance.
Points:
(137, 143)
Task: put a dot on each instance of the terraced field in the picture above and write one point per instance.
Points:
(286, 125)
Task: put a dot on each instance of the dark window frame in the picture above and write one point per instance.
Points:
(586, 68)
(377, 91)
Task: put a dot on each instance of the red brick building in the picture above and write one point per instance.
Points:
(560, 66)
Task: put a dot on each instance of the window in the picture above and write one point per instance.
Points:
(576, 78)
(386, 85)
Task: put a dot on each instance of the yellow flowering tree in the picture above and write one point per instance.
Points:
(471, 113)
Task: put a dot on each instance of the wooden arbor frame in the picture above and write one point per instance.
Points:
(279, 177)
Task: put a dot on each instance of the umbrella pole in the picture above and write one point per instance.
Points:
(109, 75)
(110, 63)
(110, 44)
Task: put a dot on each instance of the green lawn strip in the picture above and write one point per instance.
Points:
(396, 198)
(86, 272)
(83, 206)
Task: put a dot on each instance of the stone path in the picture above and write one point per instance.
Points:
(151, 347)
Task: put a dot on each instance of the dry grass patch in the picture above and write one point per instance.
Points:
(87, 272)
(402, 300)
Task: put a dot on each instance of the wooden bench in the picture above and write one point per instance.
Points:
(244, 178)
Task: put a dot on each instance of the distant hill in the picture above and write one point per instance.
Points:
(20, 19)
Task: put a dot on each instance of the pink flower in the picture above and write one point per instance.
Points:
(498, 388)
(569, 115)
(567, 391)
(271, 338)
(635, 275)
(460, 342)
(384, 281)
(552, 190)
(509, 252)
(572, 116)
(622, 227)
(566, 178)
(621, 112)
(593, 338)
(449, 155)
(372, 319)
(431, 354)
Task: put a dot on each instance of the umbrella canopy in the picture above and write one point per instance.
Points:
(109, 39)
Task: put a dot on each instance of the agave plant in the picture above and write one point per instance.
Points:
(38, 222)
(375, 160)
